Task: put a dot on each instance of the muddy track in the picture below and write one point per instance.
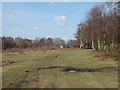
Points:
(66, 68)
(52, 67)
(78, 69)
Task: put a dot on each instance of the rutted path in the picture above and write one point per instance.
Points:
(52, 69)
(67, 68)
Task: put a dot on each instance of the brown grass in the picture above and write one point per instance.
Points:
(13, 50)
(21, 50)
(103, 55)
(6, 62)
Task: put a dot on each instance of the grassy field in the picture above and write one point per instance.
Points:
(21, 69)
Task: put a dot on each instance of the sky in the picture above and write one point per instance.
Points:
(43, 19)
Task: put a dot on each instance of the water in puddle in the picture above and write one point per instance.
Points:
(72, 71)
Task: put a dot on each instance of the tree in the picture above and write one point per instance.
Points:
(8, 43)
(72, 43)
(58, 41)
(100, 29)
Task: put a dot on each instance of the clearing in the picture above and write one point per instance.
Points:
(49, 69)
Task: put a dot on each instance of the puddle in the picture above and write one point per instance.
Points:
(80, 70)
(90, 69)
(72, 71)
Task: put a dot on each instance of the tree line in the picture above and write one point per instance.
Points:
(99, 30)
(18, 42)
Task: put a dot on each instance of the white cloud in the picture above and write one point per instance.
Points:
(49, 36)
(61, 20)
(36, 28)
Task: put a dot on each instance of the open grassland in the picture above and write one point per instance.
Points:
(21, 69)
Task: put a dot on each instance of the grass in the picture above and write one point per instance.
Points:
(14, 75)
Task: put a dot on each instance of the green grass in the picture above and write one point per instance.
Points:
(57, 78)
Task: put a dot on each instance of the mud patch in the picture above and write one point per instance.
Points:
(56, 55)
(7, 62)
(52, 67)
(27, 71)
(10, 83)
(12, 62)
(18, 84)
(96, 56)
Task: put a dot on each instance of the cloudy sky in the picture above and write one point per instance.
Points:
(43, 19)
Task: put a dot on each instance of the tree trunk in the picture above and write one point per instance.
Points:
(81, 45)
(93, 47)
(98, 44)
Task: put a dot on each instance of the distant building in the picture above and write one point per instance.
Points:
(61, 46)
